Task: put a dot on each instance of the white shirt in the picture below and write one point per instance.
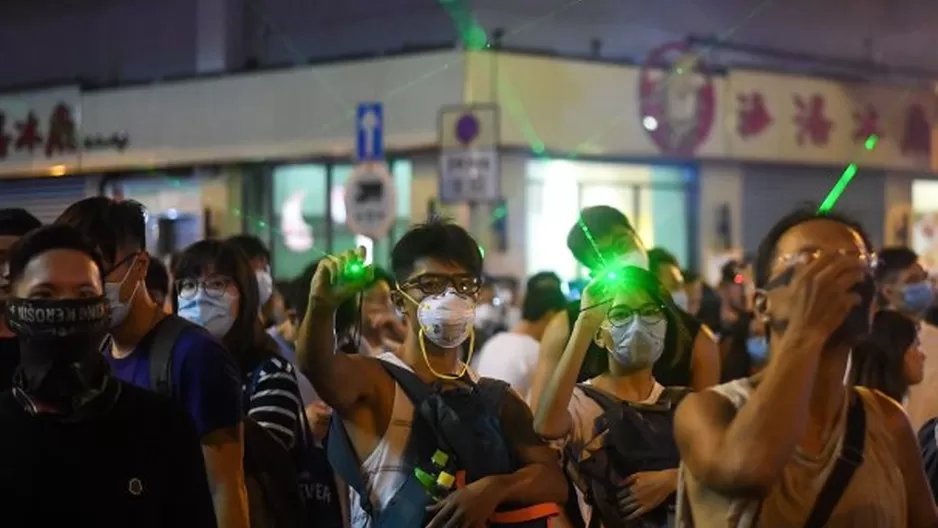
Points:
(509, 357)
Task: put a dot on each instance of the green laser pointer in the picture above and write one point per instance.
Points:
(845, 179)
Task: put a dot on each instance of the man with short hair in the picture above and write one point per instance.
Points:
(603, 237)
(903, 285)
(666, 268)
(512, 356)
(78, 445)
(204, 377)
(14, 224)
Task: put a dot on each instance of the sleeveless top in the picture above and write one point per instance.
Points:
(875, 497)
(671, 370)
(383, 471)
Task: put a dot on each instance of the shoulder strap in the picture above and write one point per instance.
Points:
(345, 463)
(851, 457)
(417, 391)
(605, 400)
(161, 352)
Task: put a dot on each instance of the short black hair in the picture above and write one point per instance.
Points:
(892, 260)
(766, 251)
(109, 224)
(157, 277)
(438, 239)
(600, 220)
(251, 246)
(658, 257)
(730, 270)
(17, 222)
(245, 340)
(47, 238)
(383, 275)
(543, 279)
(542, 300)
(690, 276)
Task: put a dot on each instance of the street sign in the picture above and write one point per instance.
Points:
(469, 162)
(369, 132)
(370, 200)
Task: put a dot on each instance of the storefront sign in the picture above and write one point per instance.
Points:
(469, 163)
(39, 129)
(370, 200)
(676, 99)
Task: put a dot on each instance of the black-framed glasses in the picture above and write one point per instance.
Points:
(214, 287)
(649, 313)
(436, 283)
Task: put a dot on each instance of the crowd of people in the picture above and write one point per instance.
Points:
(797, 391)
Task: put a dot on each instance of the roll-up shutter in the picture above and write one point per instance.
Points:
(771, 192)
(45, 198)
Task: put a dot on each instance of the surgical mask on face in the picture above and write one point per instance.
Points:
(265, 285)
(638, 345)
(446, 319)
(758, 348)
(918, 297)
(636, 257)
(215, 315)
(119, 310)
(680, 299)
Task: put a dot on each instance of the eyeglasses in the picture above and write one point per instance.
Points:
(623, 315)
(436, 283)
(214, 287)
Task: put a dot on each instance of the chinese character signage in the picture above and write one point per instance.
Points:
(801, 120)
(39, 130)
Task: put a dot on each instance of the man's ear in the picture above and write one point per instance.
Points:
(760, 308)
(142, 264)
(398, 301)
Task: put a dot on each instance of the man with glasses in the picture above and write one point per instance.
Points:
(391, 417)
(203, 376)
(14, 224)
(792, 445)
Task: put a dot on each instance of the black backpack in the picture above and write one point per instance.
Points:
(269, 468)
(636, 437)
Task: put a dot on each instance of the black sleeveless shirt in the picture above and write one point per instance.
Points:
(671, 370)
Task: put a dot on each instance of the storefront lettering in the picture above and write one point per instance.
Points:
(867, 124)
(753, 116)
(468, 163)
(61, 131)
(812, 125)
(117, 141)
(27, 133)
(62, 138)
(916, 139)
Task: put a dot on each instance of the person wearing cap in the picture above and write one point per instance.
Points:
(14, 224)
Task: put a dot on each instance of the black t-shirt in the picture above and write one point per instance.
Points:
(137, 463)
(9, 361)
(671, 370)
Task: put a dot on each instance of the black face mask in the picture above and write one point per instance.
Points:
(856, 325)
(60, 348)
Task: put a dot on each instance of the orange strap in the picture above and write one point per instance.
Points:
(530, 513)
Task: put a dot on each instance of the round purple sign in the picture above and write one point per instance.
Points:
(467, 129)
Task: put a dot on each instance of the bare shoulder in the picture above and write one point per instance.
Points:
(896, 418)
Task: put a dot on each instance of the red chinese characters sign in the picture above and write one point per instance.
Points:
(38, 130)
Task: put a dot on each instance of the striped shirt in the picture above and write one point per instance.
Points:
(274, 401)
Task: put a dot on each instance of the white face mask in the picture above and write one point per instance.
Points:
(446, 319)
(265, 285)
(112, 290)
(637, 257)
(638, 344)
(680, 299)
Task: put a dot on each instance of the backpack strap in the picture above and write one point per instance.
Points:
(851, 457)
(602, 398)
(345, 463)
(161, 352)
(416, 390)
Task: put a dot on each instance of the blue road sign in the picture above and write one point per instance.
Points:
(369, 132)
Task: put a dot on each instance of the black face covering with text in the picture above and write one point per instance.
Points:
(60, 349)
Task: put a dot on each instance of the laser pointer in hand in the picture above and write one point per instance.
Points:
(353, 272)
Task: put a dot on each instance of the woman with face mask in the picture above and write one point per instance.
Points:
(626, 313)
(216, 288)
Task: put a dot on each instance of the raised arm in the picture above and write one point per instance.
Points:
(705, 360)
(552, 346)
(337, 378)
(745, 451)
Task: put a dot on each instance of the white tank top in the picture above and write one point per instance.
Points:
(384, 471)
